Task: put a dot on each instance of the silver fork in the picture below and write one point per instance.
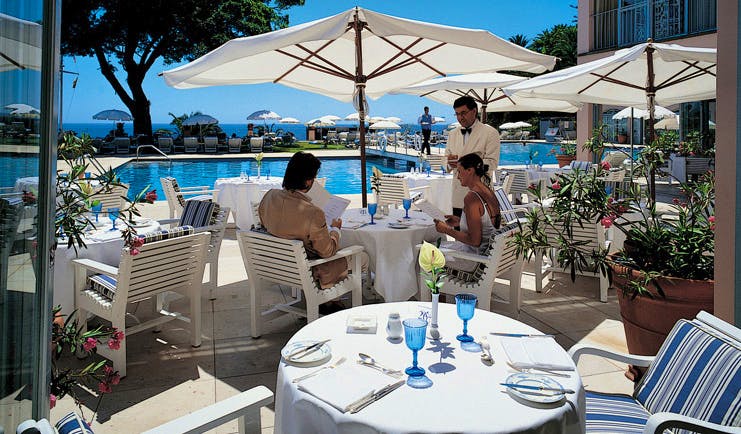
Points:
(337, 363)
(538, 371)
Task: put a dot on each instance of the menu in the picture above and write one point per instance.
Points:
(430, 209)
(332, 205)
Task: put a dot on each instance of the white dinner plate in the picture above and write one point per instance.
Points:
(398, 226)
(141, 223)
(314, 358)
(539, 396)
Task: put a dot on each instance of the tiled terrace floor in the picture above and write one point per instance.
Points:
(168, 378)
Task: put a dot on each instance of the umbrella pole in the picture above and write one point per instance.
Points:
(631, 144)
(360, 80)
(483, 113)
(651, 95)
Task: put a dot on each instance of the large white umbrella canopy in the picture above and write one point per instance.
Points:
(354, 54)
(385, 125)
(508, 126)
(20, 44)
(659, 113)
(113, 115)
(640, 76)
(263, 115)
(289, 120)
(668, 123)
(486, 89)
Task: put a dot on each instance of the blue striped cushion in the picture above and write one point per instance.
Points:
(176, 187)
(197, 213)
(695, 374)
(103, 285)
(614, 414)
(72, 424)
(166, 234)
(581, 165)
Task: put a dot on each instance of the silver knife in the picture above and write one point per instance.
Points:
(306, 350)
(366, 401)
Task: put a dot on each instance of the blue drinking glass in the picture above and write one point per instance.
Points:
(372, 208)
(415, 331)
(113, 215)
(96, 209)
(465, 304)
(407, 203)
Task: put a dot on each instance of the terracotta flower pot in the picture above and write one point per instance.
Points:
(647, 321)
(565, 160)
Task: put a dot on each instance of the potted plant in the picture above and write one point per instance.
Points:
(664, 271)
(565, 153)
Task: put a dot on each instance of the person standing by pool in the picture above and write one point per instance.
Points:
(472, 137)
(425, 122)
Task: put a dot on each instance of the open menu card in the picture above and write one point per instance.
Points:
(431, 210)
(333, 206)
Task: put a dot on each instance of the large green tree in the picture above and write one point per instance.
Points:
(133, 34)
(559, 41)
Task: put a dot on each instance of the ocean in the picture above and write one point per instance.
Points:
(100, 129)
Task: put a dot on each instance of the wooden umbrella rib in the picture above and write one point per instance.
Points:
(456, 92)
(413, 59)
(323, 59)
(392, 58)
(680, 80)
(612, 80)
(602, 77)
(306, 63)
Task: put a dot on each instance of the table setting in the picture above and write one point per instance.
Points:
(441, 187)
(472, 379)
(239, 193)
(389, 241)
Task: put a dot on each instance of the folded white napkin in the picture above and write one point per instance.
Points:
(342, 386)
(536, 352)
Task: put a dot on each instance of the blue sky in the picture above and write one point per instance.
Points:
(232, 104)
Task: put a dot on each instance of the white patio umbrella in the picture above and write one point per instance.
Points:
(352, 117)
(454, 125)
(354, 54)
(641, 76)
(508, 126)
(522, 124)
(377, 119)
(289, 120)
(486, 89)
(113, 115)
(659, 113)
(20, 44)
(332, 118)
(319, 122)
(200, 120)
(263, 115)
(438, 119)
(385, 125)
(22, 109)
(394, 119)
(668, 123)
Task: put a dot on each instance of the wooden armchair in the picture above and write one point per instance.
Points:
(176, 195)
(393, 189)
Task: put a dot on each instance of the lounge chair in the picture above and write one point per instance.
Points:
(235, 145)
(190, 144)
(256, 144)
(122, 145)
(552, 135)
(210, 144)
(164, 144)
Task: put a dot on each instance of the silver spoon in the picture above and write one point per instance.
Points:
(369, 361)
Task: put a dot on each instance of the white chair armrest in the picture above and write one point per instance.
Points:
(464, 255)
(167, 221)
(197, 192)
(198, 187)
(96, 267)
(579, 350)
(219, 413)
(659, 422)
(342, 253)
(421, 187)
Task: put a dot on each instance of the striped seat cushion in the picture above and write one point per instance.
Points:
(166, 234)
(697, 374)
(581, 165)
(477, 273)
(199, 213)
(72, 424)
(614, 414)
(103, 284)
(176, 187)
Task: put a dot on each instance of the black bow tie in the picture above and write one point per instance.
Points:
(465, 131)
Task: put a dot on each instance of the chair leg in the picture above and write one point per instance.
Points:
(603, 286)
(357, 282)
(195, 315)
(118, 357)
(213, 273)
(254, 287)
(539, 275)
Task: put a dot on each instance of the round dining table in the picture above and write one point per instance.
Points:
(441, 187)
(103, 245)
(390, 247)
(465, 395)
(240, 193)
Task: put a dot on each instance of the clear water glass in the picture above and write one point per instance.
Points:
(113, 215)
(465, 305)
(407, 203)
(415, 332)
(372, 208)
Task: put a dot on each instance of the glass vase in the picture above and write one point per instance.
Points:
(434, 331)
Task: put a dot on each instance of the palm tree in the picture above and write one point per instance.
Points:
(519, 39)
(559, 41)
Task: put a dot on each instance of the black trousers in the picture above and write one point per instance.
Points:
(426, 141)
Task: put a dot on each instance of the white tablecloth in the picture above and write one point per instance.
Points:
(102, 245)
(391, 251)
(441, 188)
(465, 395)
(238, 194)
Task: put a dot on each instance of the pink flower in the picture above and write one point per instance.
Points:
(52, 400)
(556, 186)
(606, 222)
(115, 379)
(692, 154)
(89, 344)
(675, 201)
(119, 335)
(711, 219)
(104, 387)
(114, 344)
(137, 242)
(606, 165)
(151, 196)
(134, 252)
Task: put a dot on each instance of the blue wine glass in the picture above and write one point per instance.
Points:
(407, 203)
(113, 215)
(415, 330)
(372, 208)
(465, 304)
(96, 209)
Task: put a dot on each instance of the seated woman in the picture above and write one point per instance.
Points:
(289, 214)
(481, 214)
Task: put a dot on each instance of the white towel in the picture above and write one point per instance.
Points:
(536, 352)
(342, 386)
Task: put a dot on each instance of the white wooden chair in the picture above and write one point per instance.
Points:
(174, 264)
(615, 158)
(190, 144)
(176, 195)
(210, 144)
(245, 407)
(235, 145)
(501, 261)
(393, 189)
(436, 161)
(113, 198)
(210, 217)
(692, 384)
(271, 260)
